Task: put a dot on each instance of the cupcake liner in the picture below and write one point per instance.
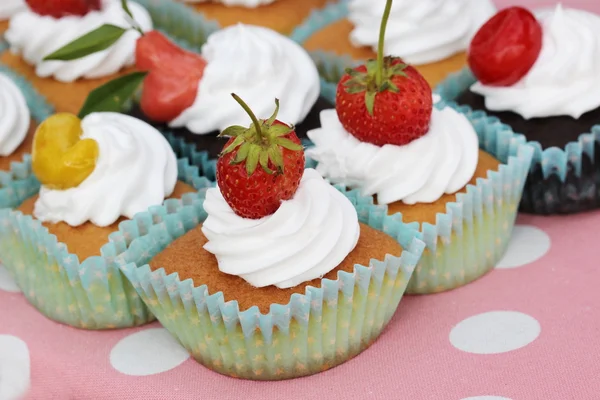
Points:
(469, 239)
(91, 293)
(319, 19)
(313, 332)
(18, 183)
(560, 180)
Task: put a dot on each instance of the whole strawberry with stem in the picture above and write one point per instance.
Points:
(63, 8)
(384, 101)
(260, 165)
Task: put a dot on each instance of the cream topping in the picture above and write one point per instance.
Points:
(304, 239)
(8, 8)
(136, 169)
(442, 161)
(422, 31)
(14, 116)
(259, 65)
(564, 79)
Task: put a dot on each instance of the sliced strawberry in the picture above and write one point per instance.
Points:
(62, 8)
(174, 75)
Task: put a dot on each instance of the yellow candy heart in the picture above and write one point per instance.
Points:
(61, 160)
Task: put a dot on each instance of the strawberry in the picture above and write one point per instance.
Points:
(505, 47)
(61, 8)
(254, 192)
(384, 101)
(174, 75)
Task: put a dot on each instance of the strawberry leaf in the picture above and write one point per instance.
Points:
(111, 96)
(370, 101)
(287, 144)
(273, 117)
(276, 157)
(280, 130)
(233, 131)
(242, 153)
(237, 141)
(264, 162)
(90, 43)
(252, 160)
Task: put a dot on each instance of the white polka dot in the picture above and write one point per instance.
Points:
(14, 367)
(7, 283)
(486, 398)
(527, 244)
(495, 332)
(147, 352)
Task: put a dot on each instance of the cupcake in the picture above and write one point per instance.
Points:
(432, 35)
(44, 27)
(8, 8)
(97, 175)
(187, 95)
(455, 176)
(280, 15)
(281, 274)
(542, 83)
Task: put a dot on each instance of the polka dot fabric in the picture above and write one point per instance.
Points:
(527, 331)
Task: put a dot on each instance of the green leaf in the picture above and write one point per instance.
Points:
(252, 160)
(370, 101)
(355, 89)
(264, 161)
(238, 140)
(90, 43)
(288, 144)
(126, 8)
(372, 67)
(242, 153)
(112, 95)
(276, 157)
(273, 117)
(233, 131)
(280, 130)
(389, 85)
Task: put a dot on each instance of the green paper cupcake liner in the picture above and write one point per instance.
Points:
(315, 331)
(18, 183)
(90, 293)
(469, 239)
(561, 180)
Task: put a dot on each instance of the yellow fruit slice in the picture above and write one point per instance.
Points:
(61, 160)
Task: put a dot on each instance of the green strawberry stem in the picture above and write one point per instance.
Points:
(380, 45)
(246, 108)
(135, 26)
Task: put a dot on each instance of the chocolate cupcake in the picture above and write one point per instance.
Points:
(549, 92)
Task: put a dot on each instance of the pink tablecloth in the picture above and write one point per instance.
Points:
(529, 330)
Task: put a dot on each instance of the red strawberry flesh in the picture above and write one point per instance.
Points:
(63, 8)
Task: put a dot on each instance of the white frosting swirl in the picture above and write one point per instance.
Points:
(35, 36)
(419, 32)
(14, 116)
(8, 8)
(304, 239)
(259, 65)
(229, 3)
(564, 79)
(136, 169)
(441, 161)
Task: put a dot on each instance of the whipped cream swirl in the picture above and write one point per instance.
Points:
(8, 8)
(14, 116)
(419, 32)
(259, 65)
(565, 78)
(442, 161)
(229, 3)
(304, 239)
(136, 169)
(35, 36)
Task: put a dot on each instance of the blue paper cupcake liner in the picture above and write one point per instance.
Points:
(18, 183)
(469, 239)
(560, 180)
(315, 331)
(90, 293)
